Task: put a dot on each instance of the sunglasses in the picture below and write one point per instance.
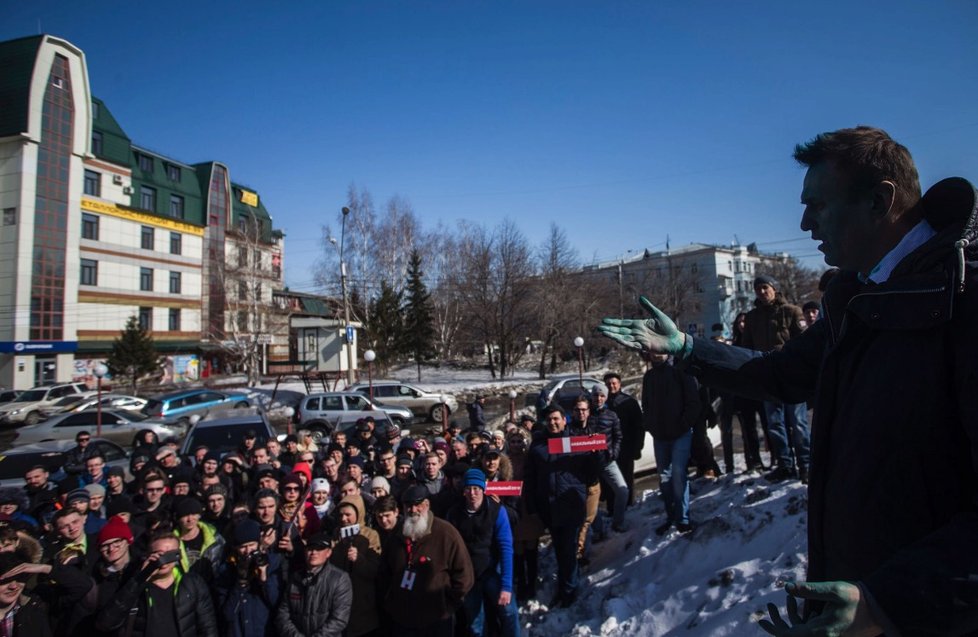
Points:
(291, 489)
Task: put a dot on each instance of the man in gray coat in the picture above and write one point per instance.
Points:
(318, 598)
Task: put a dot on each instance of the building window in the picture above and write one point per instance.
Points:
(89, 226)
(175, 283)
(258, 259)
(93, 183)
(172, 172)
(242, 256)
(145, 163)
(146, 279)
(258, 292)
(147, 198)
(147, 238)
(243, 321)
(174, 319)
(89, 272)
(176, 206)
(176, 243)
(146, 318)
(95, 111)
(242, 291)
(10, 216)
(96, 142)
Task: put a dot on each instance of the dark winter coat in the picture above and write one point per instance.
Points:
(630, 416)
(605, 421)
(443, 576)
(489, 539)
(32, 619)
(555, 485)
(315, 605)
(192, 604)
(363, 578)
(477, 417)
(246, 606)
(893, 497)
(770, 326)
(670, 402)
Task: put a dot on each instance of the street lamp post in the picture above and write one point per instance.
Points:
(512, 405)
(100, 370)
(346, 300)
(369, 356)
(579, 344)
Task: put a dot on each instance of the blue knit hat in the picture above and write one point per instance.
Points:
(474, 478)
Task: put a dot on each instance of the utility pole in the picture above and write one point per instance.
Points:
(346, 303)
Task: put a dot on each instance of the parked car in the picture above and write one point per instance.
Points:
(422, 403)
(111, 401)
(66, 404)
(27, 406)
(15, 462)
(332, 405)
(178, 407)
(8, 395)
(118, 425)
(564, 391)
(223, 430)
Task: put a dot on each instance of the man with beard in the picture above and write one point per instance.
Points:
(160, 600)
(426, 571)
(318, 598)
(42, 492)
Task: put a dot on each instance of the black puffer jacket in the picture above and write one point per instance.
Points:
(193, 607)
(315, 605)
(605, 421)
(630, 416)
(893, 497)
(555, 485)
(670, 402)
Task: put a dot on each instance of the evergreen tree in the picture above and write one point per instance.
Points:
(385, 327)
(133, 354)
(419, 327)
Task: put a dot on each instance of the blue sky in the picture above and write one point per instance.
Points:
(624, 122)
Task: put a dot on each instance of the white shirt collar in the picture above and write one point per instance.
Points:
(918, 236)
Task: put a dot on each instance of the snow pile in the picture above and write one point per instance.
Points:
(749, 539)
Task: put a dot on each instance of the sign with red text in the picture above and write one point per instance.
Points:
(504, 488)
(577, 444)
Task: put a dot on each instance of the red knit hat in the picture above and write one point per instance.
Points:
(305, 469)
(115, 529)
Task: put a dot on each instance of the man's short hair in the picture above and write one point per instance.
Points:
(154, 476)
(385, 504)
(611, 375)
(63, 513)
(810, 305)
(867, 156)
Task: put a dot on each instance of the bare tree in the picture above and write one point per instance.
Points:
(445, 256)
(251, 318)
(555, 293)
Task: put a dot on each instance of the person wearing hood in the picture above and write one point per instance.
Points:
(891, 499)
(356, 551)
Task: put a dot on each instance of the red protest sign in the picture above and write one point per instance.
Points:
(504, 488)
(577, 444)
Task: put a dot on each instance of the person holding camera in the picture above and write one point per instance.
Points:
(248, 584)
(160, 600)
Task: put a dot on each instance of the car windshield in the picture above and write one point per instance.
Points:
(15, 465)
(152, 408)
(32, 395)
(223, 438)
(69, 400)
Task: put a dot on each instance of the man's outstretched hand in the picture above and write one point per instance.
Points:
(658, 334)
(845, 612)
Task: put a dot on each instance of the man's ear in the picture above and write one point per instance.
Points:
(884, 194)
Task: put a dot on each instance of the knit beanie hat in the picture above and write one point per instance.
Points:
(247, 530)
(380, 481)
(187, 506)
(320, 484)
(95, 490)
(474, 478)
(115, 529)
(764, 279)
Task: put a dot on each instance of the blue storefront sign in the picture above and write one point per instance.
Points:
(38, 347)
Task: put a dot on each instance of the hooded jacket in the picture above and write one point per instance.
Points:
(362, 572)
(893, 496)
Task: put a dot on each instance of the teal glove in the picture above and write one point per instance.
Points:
(845, 612)
(658, 335)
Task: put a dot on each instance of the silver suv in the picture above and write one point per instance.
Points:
(334, 406)
(422, 403)
(28, 406)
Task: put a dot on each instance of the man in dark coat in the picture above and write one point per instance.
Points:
(159, 599)
(556, 486)
(632, 433)
(892, 499)
(670, 408)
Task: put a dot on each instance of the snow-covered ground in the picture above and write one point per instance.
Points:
(749, 540)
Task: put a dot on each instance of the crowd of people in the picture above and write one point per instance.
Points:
(365, 533)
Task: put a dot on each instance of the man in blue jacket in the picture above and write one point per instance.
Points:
(555, 485)
(892, 505)
(484, 525)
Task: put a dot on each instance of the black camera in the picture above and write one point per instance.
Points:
(257, 559)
